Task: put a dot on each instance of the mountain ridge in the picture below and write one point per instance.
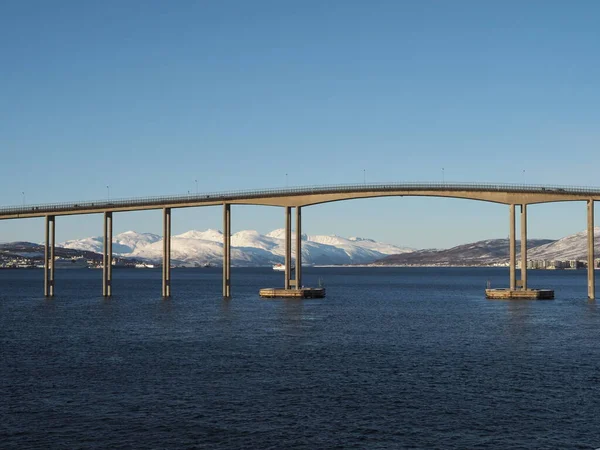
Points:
(495, 252)
(248, 248)
(480, 253)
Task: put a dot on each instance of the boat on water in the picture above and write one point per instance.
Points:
(281, 267)
(144, 266)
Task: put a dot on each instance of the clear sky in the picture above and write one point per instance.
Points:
(147, 97)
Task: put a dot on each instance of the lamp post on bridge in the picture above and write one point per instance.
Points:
(196, 186)
(365, 176)
(108, 192)
(23, 197)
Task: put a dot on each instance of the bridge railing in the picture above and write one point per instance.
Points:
(224, 196)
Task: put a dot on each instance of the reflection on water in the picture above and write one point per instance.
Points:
(292, 311)
(518, 313)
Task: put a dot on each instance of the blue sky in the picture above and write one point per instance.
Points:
(147, 97)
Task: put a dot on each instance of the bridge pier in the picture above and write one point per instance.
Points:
(49, 256)
(590, 236)
(512, 249)
(288, 247)
(107, 256)
(298, 290)
(226, 251)
(298, 247)
(524, 246)
(518, 290)
(166, 272)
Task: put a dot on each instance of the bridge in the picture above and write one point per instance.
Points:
(513, 195)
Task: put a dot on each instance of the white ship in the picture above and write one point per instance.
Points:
(144, 266)
(70, 263)
(281, 267)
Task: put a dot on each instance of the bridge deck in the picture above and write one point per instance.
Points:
(311, 195)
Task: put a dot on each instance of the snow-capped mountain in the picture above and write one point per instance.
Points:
(248, 248)
(567, 248)
(123, 243)
(208, 235)
(489, 251)
(495, 251)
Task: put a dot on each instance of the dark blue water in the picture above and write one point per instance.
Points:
(392, 358)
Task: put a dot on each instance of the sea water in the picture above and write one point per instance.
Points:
(392, 358)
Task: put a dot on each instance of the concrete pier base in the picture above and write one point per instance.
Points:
(292, 293)
(510, 294)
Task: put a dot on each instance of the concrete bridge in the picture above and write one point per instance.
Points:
(298, 197)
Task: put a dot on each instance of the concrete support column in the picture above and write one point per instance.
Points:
(288, 247)
(107, 256)
(226, 250)
(166, 284)
(52, 256)
(49, 257)
(590, 236)
(512, 249)
(46, 266)
(298, 247)
(524, 245)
